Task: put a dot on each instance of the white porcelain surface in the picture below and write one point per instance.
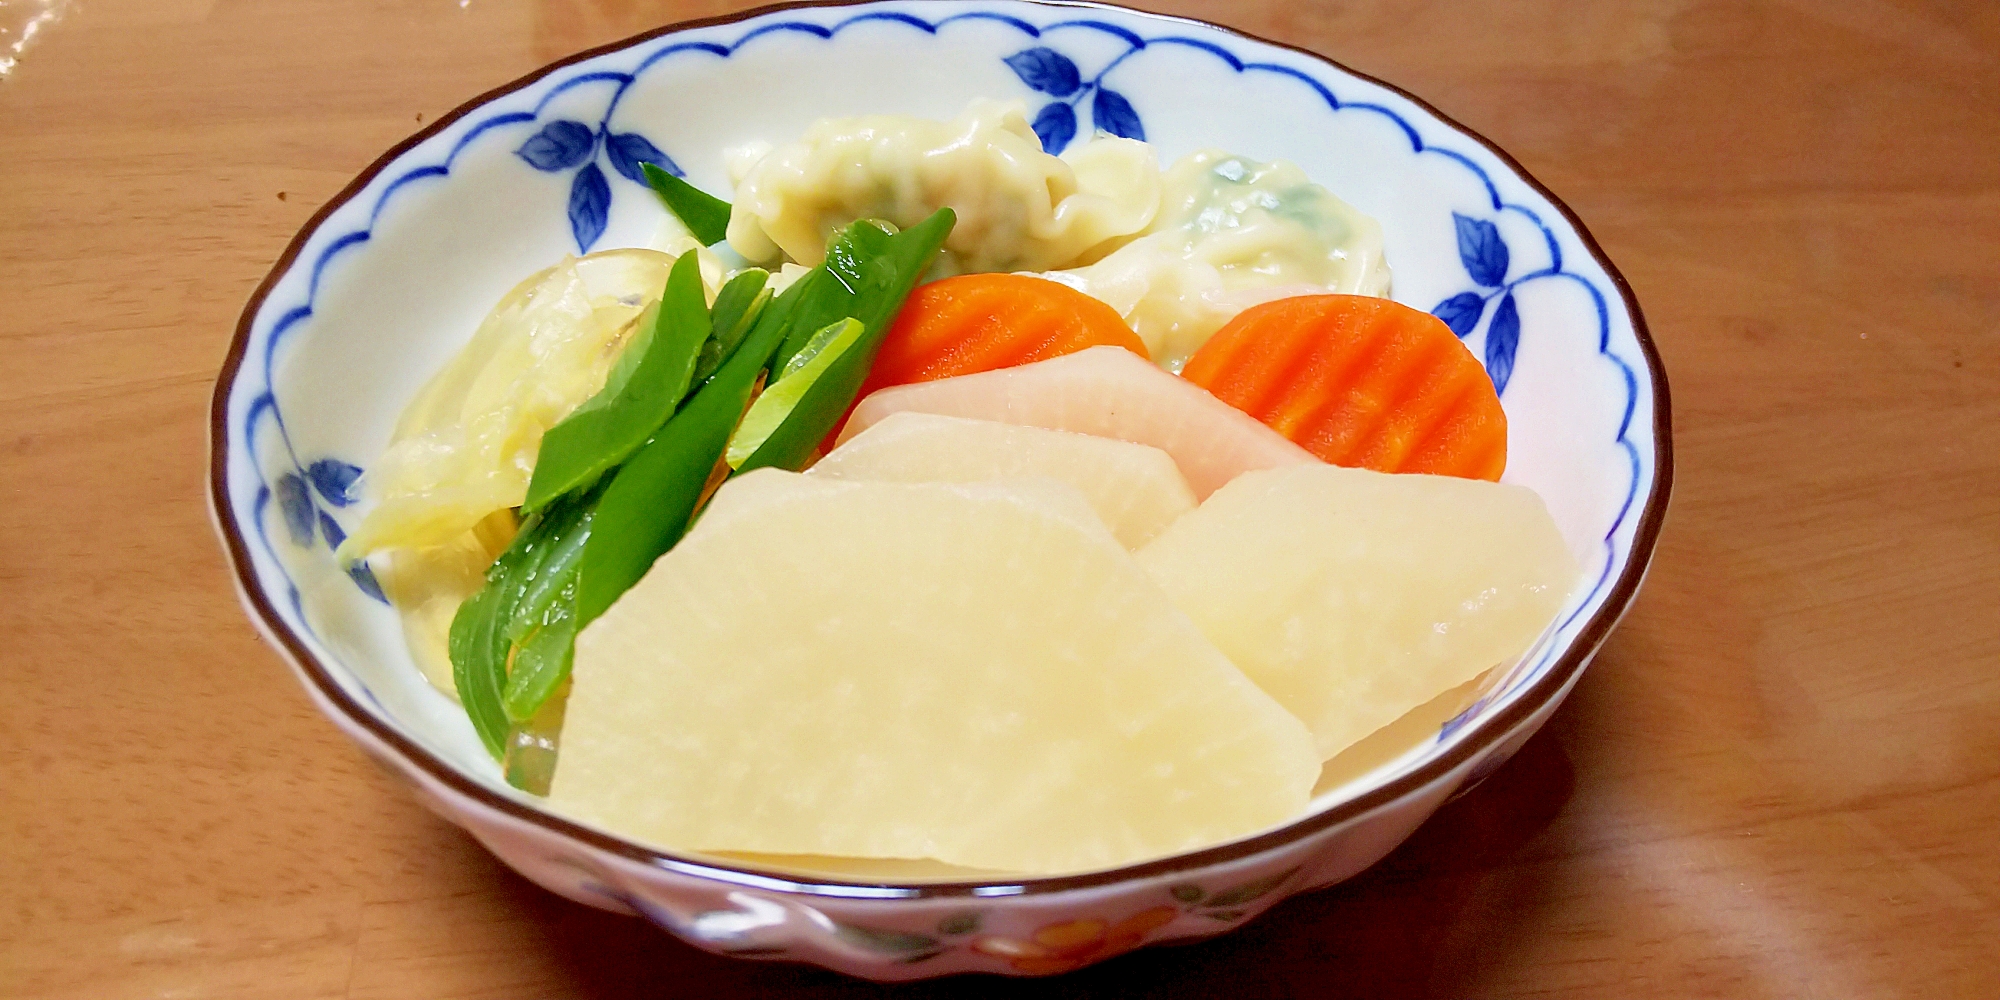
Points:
(381, 289)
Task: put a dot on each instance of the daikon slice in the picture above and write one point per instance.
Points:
(1109, 392)
(1354, 596)
(969, 673)
(1135, 489)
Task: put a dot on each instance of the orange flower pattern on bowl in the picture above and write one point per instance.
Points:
(1073, 944)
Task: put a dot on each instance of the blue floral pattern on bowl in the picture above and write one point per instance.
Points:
(1484, 254)
(307, 518)
(566, 144)
(1052, 73)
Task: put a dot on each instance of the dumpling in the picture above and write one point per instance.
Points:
(1019, 209)
(1232, 233)
(465, 446)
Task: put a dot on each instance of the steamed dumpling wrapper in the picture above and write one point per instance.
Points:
(463, 450)
(1019, 209)
(1232, 233)
(465, 447)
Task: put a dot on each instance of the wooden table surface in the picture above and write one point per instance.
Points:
(1778, 779)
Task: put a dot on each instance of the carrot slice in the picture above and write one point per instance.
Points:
(980, 322)
(1359, 381)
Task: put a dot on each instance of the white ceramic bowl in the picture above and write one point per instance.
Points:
(390, 277)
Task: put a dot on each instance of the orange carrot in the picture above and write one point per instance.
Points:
(1359, 381)
(980, 322)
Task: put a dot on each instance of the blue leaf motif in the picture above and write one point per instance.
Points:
(1056, 124)
(1046, 70)
(1503, 337)
(295, 502)
(1482, 250)
(1114, 114)
(334, 479)
(629, 149)
(589, 206)
(1461, 312)
(364, 578)
(1454, 723)
(331, 530)
(560, 145)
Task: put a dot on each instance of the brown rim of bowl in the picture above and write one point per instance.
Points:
(1485, 735)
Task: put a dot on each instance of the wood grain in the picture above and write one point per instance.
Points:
(1780, 779)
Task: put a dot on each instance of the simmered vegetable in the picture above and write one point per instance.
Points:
(482, 642)
(705, 215)
(1135, 490)
(617, 483)
(867, 274)
(1109, 392)
(757, 694)
(1353, 596)
(651, 498)
(737, 306)
(980, 322)
(639, 395)
(1360, 381)
(479, 658)
(543, 626)
(529, 761)
(780, 399)
(463, 448)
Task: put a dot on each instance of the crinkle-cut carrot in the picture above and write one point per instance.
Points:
(1359, 381)
(981, 322)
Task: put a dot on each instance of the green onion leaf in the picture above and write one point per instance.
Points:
(477, 642)
(834, 337)
(530, 761)
(652, 497)
(599, 435)
(479, 666)
(567, 528)
(705, 215)
(542, 660)
(780, 399)
(737, 306)
(868, 273)
(627, 365)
